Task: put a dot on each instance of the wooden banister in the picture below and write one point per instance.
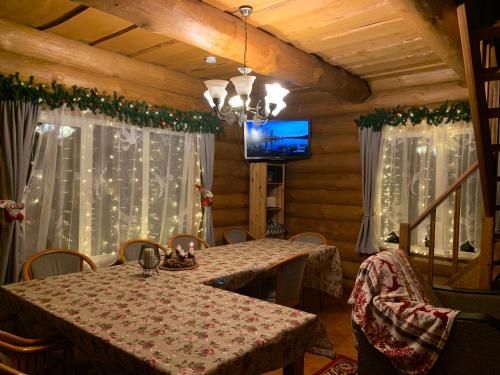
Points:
(469, 20)
(456, 185)
(406, 228)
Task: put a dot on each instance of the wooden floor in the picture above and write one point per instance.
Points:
(336, 318)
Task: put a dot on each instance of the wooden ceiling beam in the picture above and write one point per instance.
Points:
(219, 33)
(436, 22)
(415, 95)
(47, 71)
(27, 41)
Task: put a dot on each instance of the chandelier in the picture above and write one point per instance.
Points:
(239, 109)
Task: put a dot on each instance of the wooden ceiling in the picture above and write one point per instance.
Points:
(369, 38)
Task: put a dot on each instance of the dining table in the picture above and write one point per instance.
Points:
(184, 322)
(233, 266)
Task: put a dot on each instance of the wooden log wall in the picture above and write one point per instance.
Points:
(231, 182)
(323, 194)
(49, 57)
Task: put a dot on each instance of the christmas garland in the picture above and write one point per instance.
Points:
(133, 112)
(444, 114)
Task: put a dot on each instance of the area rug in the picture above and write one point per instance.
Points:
(342, 365)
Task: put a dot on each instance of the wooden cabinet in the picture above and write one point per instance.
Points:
(267, 197)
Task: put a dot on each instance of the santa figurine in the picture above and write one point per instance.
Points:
(207, 197)
(12, 210)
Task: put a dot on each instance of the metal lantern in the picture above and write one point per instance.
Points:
(149, 259)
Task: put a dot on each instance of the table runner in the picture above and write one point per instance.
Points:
(231, 267)
(165, 324)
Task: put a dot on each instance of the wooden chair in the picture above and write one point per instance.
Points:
(54, 262)
(185, 239)
(309, 237)
(131, 249)
(314, 238)
(237, 235)
(289, 277)
(29, 355)
(6, 370)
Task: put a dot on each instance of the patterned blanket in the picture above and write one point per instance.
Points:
(393, 310)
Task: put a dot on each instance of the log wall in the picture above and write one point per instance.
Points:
(231, 182)
(323, 194)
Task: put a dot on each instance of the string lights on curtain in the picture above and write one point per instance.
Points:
(239, 109)
(108, 182)
(417, 164)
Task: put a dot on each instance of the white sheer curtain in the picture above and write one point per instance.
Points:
(96, 182)
(417, 164)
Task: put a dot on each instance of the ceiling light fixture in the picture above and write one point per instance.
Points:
(238, 108)
(210, 59)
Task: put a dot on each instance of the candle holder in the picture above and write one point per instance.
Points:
(149, 259)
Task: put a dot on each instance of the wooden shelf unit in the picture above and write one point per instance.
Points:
(266, 180)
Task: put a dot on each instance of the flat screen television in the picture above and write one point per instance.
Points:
(278, 140)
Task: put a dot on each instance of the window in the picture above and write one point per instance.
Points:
(418, 164)
(95, 184)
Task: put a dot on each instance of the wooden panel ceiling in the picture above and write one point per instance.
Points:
(366, 37)
(90, 26)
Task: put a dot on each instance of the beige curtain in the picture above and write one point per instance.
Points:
(17, 123)
(369, 142)
(206, 147)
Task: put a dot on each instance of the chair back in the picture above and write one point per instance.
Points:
(185, 239)
(131, 249)
(6, 370)
(55, 262)
(289, 279)
(237, 235)
(29, 354)
(309, 237)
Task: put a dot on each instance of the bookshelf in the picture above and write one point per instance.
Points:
(267, 197)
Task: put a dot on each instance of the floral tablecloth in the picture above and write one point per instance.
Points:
(232, 266)
(166, 324)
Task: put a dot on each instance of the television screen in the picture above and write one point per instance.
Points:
(277, 140)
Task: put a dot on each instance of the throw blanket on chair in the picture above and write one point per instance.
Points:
(394, 312)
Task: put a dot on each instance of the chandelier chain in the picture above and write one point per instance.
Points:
(246, 42)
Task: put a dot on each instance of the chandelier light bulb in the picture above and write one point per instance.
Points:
(279, 107)
(275, 93)
(236, 102)
(210, 101)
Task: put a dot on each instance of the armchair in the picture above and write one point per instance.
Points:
(473, 343)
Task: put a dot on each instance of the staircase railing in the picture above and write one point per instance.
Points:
(468, 19)
(483, 74)
(406, 228)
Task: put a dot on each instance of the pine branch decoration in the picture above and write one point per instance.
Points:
(444, 114)
(133, 112)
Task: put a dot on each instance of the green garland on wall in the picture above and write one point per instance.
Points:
(443, 114)
(133, 112)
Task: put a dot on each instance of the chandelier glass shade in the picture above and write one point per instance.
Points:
(238, 108)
